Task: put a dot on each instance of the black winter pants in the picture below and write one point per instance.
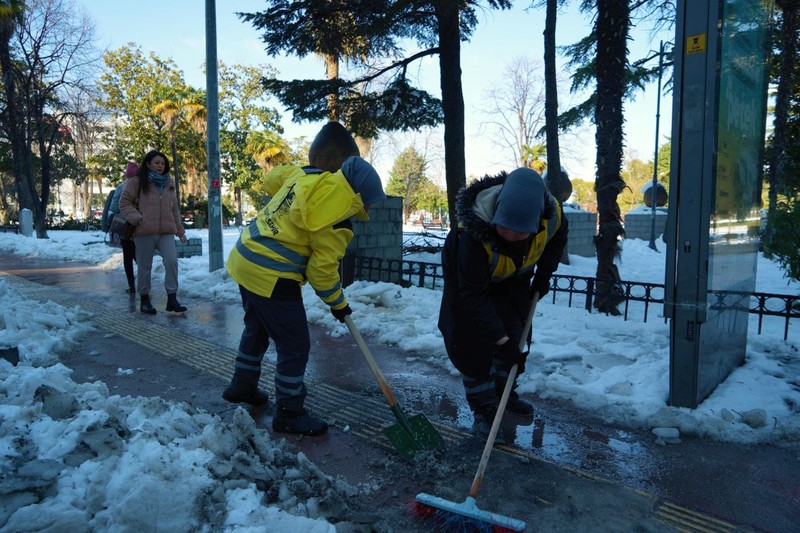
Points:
(283, 321)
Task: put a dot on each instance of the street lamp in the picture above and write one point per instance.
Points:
(654, 188)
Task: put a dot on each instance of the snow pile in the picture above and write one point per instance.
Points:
(76, 459)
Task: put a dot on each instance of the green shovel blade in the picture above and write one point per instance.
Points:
(419, 435)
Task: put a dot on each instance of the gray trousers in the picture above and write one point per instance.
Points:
(146, 246)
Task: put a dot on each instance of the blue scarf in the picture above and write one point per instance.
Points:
(159, 180)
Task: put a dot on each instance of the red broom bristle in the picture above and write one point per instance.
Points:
(443, 521)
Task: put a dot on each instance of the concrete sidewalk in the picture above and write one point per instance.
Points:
(565, 471)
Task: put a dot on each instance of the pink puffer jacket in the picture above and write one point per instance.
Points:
(153, 212)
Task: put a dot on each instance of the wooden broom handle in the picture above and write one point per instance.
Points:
(512, 374)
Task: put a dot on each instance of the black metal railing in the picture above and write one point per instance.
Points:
(579, 290)
(780, 305)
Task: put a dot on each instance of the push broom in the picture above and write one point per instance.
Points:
(445, 515)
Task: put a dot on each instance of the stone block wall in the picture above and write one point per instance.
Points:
(638, 223)
(192, 248)
(582, 229)
(381, 236)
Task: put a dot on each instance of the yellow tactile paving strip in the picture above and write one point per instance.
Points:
(332, 403)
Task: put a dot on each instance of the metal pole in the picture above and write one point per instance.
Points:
(655, 155)
(215, 259)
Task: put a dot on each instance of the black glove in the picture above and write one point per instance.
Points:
(510, 354)
(541, 284)
(339, 314)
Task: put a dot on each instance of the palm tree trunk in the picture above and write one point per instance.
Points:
(612, 26)
(175, 170)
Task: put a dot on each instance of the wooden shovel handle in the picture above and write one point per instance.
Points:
(370, 361)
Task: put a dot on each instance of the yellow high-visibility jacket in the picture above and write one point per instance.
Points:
(301, 234)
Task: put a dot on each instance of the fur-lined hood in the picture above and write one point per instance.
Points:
(476, 204)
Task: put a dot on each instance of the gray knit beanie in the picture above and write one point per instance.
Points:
(520, 203)
(363, 179)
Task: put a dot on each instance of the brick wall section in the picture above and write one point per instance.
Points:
(382, 235)
(638, 222)
(582, 229)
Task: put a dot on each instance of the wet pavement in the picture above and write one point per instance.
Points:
(565, 470)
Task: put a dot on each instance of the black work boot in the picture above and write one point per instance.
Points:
(243, 388)
(298, 422)
(484, 418)
(172, 304)
(145, 306)
(518, 406)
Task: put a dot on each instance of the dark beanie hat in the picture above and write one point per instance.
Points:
(363, 179)
(520, 203)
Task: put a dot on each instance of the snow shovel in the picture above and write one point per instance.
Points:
(446, 515)
(411, 434)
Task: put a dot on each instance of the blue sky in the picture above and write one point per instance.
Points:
(176, 29)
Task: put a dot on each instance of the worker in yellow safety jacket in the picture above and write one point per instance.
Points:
(299, 237)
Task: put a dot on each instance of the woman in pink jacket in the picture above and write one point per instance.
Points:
(149, 202)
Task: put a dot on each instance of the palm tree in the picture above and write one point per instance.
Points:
(181, 106)
(268, 149)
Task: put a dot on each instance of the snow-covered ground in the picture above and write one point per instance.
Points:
(114, 463)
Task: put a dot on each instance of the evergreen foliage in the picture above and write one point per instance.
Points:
(782, 239)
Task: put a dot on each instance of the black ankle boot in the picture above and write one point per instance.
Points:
(484, 418)
(299, 422)
(519, 406)
(145, 307)
(235, 393)
(172, 304)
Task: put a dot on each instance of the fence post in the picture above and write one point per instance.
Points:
(589, 294)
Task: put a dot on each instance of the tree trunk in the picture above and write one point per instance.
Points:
(332, 71)
(611, 26)
(447, 15)
(40, 202)
(237, 193)
(555, 178)
(788, 51)
(175, 171)
(551, 88)
(14, 123)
